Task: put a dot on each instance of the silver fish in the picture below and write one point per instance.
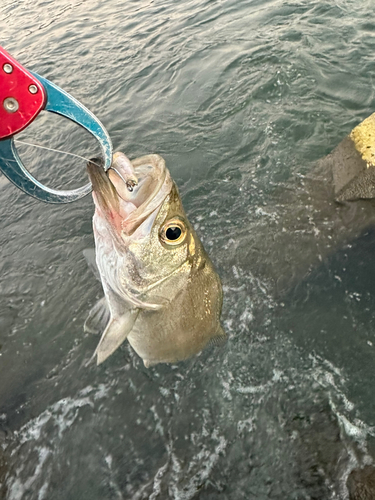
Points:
(161, 290)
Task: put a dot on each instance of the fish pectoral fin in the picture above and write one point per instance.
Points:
(149, 306)
(98, 317)
(115, 333)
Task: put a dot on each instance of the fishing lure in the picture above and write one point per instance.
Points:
(23, 95)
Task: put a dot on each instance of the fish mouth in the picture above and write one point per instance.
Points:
(129, 191)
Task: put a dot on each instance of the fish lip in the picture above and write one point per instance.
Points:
(125, 215)
(105, 192)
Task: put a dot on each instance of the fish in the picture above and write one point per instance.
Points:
(161, 291)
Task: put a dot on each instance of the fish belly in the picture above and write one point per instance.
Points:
(156, 341)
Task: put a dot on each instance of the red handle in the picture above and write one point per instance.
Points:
(22, 96)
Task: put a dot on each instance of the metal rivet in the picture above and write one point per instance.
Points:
(33, 89)
(11, 104)
(8, 68)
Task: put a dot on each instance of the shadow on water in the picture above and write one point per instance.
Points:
(321, 314)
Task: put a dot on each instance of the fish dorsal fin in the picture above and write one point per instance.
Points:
(98, 317)
(115, 333)
(90, 257)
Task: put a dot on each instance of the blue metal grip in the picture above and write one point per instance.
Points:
(12, 166)
(60, 102)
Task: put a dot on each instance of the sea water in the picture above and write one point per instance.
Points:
(241, 98)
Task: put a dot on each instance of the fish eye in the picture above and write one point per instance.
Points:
(173, 232)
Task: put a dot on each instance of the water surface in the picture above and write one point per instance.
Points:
(241, 98)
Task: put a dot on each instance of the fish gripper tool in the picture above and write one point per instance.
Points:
(23, 95)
